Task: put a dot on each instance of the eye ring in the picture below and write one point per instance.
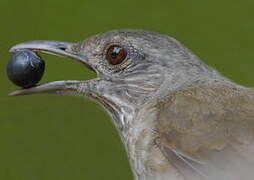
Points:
(116, 54)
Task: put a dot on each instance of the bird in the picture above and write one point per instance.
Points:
(178, 118)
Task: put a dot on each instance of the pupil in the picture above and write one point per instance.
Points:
(115, 52)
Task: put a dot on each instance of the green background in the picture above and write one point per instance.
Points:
(52, 137)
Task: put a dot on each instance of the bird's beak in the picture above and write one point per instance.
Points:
(55, 48)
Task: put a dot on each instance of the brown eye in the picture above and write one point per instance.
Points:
(116, 54)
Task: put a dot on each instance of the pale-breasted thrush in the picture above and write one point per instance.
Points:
(178, 118)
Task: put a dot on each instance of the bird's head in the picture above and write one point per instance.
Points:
(132, 66)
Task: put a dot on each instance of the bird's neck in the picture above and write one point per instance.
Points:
(135, 125)
(138, 131)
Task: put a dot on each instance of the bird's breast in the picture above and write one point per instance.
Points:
(146, 160)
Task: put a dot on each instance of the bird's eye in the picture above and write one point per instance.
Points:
(116, 54)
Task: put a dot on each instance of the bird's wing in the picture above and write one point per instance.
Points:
(207, 132)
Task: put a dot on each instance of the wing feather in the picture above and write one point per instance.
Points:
(207, 132)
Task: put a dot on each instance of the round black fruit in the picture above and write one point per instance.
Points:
(25, 68)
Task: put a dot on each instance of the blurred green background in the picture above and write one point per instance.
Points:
(51, 137)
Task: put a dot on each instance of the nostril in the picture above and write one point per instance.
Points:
(62, 48)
